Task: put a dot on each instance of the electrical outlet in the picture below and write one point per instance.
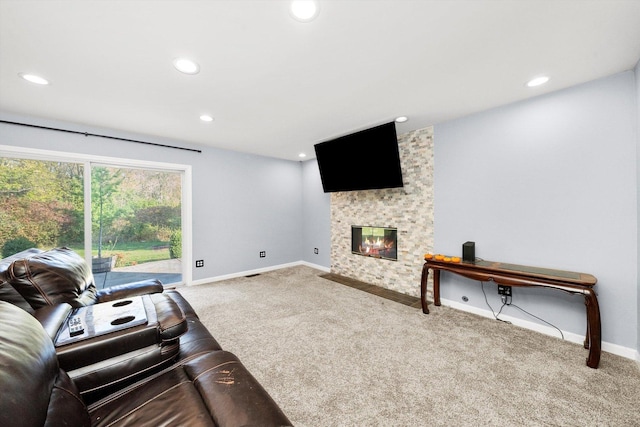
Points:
(504, 290)
(199, 263)
(263, 254)
(315, 251)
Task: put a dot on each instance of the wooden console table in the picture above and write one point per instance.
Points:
(520, 275)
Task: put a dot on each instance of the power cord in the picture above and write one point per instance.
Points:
(507, 301)
(542, 320)
(491, 308)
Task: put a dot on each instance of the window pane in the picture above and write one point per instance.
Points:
(41, 205)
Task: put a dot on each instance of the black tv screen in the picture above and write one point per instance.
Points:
(364, 160)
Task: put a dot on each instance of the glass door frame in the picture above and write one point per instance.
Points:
(92, 160)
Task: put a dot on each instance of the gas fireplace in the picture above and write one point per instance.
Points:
(377, 242)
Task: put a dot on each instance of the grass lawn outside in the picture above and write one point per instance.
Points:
(132, 253)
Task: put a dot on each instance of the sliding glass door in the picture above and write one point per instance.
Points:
(133, 227)
(136, 224)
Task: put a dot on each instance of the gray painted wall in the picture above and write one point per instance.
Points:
(242, 203)
(548, 182)
(316, 217)
(637, 75)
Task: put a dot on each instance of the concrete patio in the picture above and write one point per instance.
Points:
(167, 271)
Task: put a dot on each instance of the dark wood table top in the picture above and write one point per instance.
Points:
(582, 279)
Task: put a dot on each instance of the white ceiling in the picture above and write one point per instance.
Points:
(276, 86)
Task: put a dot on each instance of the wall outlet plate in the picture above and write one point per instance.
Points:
(504, 290)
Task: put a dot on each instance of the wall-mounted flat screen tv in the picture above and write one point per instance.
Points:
(364, 160)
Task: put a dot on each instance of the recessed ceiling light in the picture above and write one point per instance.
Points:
(301, 155)
(537, 81)
(186, 66)
(34, 79)
(401, 119)
(304, 10)
(206, 118)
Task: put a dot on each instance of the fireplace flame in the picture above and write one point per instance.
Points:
(376, 245)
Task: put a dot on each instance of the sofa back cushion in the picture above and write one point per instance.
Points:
(51, 277)
(35, 392)
(7, 292)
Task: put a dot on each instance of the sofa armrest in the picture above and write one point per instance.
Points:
(214, 388)
(126, 290)
(187, 309)
(234, 397)
(52, 317)
(171, 320)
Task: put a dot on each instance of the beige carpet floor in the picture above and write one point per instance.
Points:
(331, 355)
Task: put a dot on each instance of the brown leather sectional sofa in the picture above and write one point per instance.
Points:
(167, 371)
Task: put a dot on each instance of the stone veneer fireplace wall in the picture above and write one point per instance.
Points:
(409, 209)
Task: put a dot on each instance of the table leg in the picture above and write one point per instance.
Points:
(423, 288)
(586, 337)
(436, 287)
(593, 328)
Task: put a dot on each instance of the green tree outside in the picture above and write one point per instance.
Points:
(133, 210)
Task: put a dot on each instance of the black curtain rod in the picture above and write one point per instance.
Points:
(101, 136)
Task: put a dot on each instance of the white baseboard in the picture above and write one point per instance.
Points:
(257, 271)
(316, 266)
(625, 352)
